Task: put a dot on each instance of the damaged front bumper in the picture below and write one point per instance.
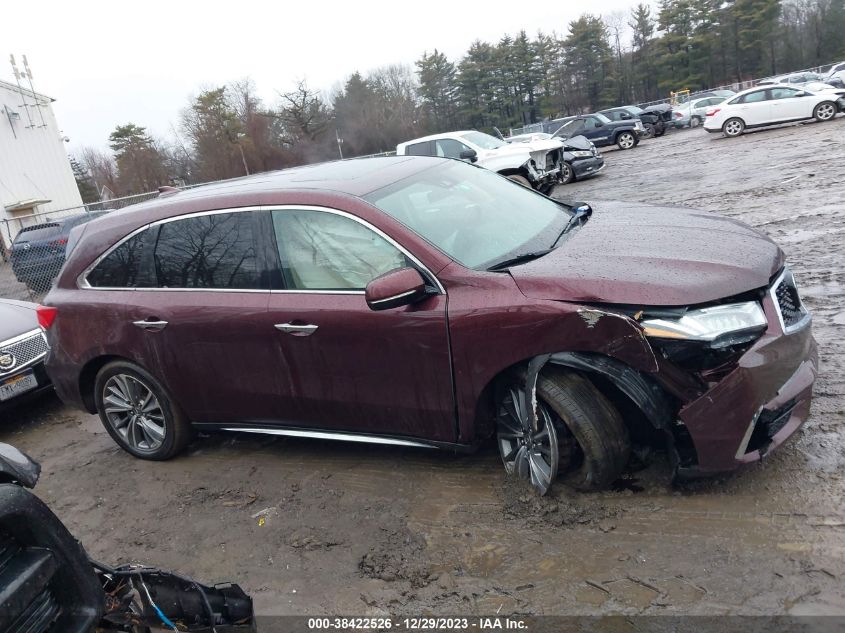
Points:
(757, 406)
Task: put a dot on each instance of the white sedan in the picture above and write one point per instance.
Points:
(772, 105)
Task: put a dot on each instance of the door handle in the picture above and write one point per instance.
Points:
(296, 330)
(150, 325)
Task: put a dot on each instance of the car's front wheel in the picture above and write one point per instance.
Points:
(567, 174)
(649, 130)
(694, 122)
(825, 111)
(626, 140)
(733, 127)
(138, 412)
(577, 425)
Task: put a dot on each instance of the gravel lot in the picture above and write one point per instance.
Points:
(354, 529)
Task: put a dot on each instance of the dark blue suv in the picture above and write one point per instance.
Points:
(38, 251)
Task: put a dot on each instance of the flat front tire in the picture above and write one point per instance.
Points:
(594, 444)
(138, 412)
(733, 127)
(825, 111)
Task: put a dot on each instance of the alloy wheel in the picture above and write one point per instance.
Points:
(528, 453)
(733, 128)
(565, 173)
(133, 410)
(825, 112)
(626, 141)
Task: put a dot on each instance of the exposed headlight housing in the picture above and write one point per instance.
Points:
(582, 153)
(720, 326)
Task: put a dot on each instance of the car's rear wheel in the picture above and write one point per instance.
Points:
(733, 127)
(522, 180)
(825, 111)
(567, 174)
(590, 439)
(138, 412)
(626, 140)
(694, 122)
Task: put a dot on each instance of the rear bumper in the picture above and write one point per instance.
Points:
(756, 407)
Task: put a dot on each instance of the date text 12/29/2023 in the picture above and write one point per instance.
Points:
(493, 623)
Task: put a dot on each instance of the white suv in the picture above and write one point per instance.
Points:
(535, 164)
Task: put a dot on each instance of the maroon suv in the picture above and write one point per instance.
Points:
(427, 302)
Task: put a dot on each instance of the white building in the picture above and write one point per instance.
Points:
(35, 173)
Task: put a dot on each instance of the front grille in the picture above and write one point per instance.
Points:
(38, 616)
(792, 312)
(22, 351)
(32, 609)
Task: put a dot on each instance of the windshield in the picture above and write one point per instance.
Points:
(482, 140)
(473, 215)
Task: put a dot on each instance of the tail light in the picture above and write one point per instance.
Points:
(679, 115)
(61, 242)
(46, 316)
(712, 112)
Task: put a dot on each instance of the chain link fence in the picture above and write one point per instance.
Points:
(32, 246)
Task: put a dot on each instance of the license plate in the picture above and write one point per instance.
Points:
(17, 385)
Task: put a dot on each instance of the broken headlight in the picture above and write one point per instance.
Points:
(720, 326)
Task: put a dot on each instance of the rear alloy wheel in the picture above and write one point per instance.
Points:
(694, 122)
(138, 412)
(825, 111)
(567, 175)
(626, 140)
(733, 127)
(522, 180)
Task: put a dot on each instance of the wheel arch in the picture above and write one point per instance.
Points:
(631, 390)
(88, 377)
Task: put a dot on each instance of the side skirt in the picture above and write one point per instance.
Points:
(342, 436)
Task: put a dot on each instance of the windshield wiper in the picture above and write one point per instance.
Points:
(580, 211)
(519, 259)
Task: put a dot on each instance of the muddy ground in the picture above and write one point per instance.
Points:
(311, 527)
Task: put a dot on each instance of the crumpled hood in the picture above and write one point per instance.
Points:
(513, 149)
(16, 318)
(652, 256)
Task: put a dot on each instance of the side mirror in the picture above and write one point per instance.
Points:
(469, 154)
(398, 287)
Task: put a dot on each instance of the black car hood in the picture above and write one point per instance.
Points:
(656, 256)
(577, 143)
(612, 125)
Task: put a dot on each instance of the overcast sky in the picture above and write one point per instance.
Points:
(114, 62)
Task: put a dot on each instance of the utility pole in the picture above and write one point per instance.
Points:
(339, 143)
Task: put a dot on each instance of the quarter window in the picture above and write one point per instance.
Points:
(122, 267)
(208, 251)
(326, 251)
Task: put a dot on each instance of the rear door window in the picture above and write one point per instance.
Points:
(214, 251)
(753, 97)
